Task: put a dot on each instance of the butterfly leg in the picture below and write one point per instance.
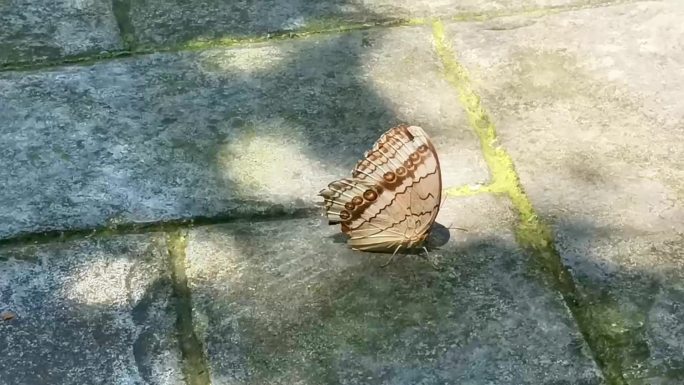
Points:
(457, 228)
(392, 257)
(432, 262)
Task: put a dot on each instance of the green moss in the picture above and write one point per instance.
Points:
(84, 59)
(195, 367)
(114, 227)
(315, 27)
(532, 233)
(122, 9)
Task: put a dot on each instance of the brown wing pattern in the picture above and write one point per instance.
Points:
(393, 196)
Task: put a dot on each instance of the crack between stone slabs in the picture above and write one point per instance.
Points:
(195, 367)
(531, 232)
(121, 9)
(276, 212)
(75, 60)
(224, 42)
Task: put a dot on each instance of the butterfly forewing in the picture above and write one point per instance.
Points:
(393, 196)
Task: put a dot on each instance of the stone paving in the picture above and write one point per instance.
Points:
(161, 161)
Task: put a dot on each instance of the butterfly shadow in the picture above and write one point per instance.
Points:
(439, 236)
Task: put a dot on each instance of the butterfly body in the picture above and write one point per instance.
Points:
(393, 196)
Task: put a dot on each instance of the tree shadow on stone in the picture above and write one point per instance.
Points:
(334, 315)
(173, 23)
(79, 321)
(630, 280)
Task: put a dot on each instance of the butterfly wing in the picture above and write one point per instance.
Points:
(394, 194)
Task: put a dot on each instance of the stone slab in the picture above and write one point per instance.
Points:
(95, 311)
(50, 30)
(218, 132)
(592, 115)
(160, 22)
(286, 302)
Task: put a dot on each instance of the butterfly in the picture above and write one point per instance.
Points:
(393, 196)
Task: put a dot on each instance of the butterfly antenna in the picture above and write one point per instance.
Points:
(457, 228)
(443, 200)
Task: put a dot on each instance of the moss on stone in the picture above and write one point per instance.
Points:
(121, 10)
(598, 327)
(325, 25)
(195, 367)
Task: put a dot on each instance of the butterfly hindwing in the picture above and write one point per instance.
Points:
(394, 194)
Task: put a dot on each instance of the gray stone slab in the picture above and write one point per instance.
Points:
(50, 30)
(285, 302)
(160, 22)
(217, 132)
(592, 114)
(88, 312)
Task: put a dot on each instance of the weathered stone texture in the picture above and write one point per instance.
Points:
(169, 23)
(591, 115)
(53, 30)
(93, 311)
(284, 302)
(216, 133)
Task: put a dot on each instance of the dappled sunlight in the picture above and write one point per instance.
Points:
(110, 280)
(245, 61)
(217, 258)
(274, 165)
(424, 98)
(99, 282)
(164, 161)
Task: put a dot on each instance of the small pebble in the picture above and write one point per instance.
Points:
(7, 315)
